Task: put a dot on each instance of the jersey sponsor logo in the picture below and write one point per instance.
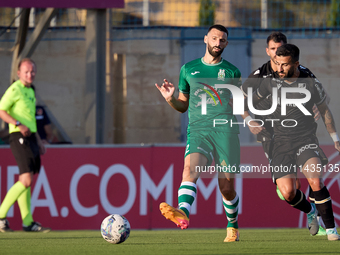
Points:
(311, 146)
(221, 75)
(196, 72)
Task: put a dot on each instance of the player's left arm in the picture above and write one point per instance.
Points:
(328, 119)
(315, 108)
(328, 99)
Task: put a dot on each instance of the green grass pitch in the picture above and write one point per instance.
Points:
(191, 241)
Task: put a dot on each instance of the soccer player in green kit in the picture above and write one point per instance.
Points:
(205, 140)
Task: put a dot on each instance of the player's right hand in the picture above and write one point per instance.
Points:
(167, 89)
(255, 127)
(25, 131)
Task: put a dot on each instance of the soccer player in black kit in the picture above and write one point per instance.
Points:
(269, 69)
(274, 40)
(294, 144)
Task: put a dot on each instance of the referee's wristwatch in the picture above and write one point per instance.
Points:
(17, 123)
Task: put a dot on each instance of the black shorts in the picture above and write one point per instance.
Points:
(289, 154)
(26, 152)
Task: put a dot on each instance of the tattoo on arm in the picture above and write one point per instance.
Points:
(328, 119)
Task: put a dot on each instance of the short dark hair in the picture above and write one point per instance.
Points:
(277, 37)
(290, 50)
(220, 28)
(26, 60)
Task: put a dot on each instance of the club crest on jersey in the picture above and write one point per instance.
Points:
(221, 75)
(302, 85)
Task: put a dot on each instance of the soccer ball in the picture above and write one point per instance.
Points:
(115, 228)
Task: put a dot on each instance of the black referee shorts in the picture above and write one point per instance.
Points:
(289, 154)
(26, 152)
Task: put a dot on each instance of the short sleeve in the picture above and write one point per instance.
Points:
(237, 78)
(183, 84)
(253, 81)
(319, 94)
(9, 98)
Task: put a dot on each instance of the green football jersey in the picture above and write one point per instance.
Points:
(206, 103)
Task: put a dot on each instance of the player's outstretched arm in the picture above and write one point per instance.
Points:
(167, 90)
(328, 119)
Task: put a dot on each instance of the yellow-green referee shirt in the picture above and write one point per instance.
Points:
(19, 102)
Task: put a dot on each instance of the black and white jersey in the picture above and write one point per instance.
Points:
(254, 80)
(295, 122)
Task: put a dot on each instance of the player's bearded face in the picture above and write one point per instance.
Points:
(285, 66)
(287, 73)
(216, 42)
(215, 51)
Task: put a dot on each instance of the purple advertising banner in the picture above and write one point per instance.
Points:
(84, 4)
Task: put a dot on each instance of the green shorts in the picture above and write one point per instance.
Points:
(221, 147)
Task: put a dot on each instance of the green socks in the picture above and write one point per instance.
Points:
(12, 195)
(24, 202)
(18, 192)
